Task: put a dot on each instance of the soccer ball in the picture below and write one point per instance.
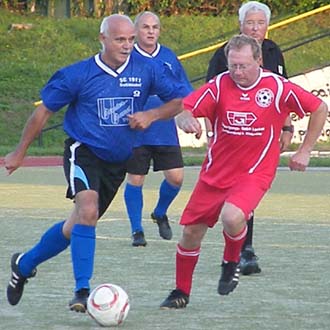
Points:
(108, 304)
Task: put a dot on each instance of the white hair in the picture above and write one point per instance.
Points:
(104, 25)
(105, 22)
(253, 6)
(140, 15)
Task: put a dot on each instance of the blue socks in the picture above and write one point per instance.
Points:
(82, 253)
(134, 204)
(51, 243)
(167, 193)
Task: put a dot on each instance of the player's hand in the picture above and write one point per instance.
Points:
(189, 124)
(285, 140)
(13, 161)
(299, 161)
(140, 120)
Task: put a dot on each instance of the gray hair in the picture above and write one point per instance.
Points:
(253, 6)
(140, 15)
(104, 27)
(239, 41)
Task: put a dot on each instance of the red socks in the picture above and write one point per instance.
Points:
(233, 245)
(186, 261)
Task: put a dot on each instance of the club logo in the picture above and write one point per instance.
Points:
(241, 118)
(264, 97)
(113, 111)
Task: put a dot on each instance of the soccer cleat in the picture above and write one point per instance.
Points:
(229, 277)
(138, 239)
(79, 301)
(176, 299)
(249, 264)
(16, 284)
(165, 230)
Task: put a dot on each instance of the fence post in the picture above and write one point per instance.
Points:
(40, 139)
(41, 7)
(62, 9)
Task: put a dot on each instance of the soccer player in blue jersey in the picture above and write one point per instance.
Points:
(105, 95)
(158, 143)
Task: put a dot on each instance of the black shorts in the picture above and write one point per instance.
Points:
(163, 158)
(84, 170)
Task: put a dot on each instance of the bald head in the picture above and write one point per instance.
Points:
(110, 23)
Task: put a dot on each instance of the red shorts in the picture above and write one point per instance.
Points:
(205, 203)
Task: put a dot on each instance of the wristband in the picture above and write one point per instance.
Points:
(288, 129)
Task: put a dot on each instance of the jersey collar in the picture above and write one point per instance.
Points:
(144, 53)
(99, 62)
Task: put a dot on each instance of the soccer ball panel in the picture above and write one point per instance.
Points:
(108, 304)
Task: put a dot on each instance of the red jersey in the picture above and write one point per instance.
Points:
(247, 124)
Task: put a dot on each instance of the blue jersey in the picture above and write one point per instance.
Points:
(163, 132)
(100, 98)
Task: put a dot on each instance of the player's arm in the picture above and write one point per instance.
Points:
(286, 135)
(143, 119)
(217, 65)
(299, 161)
(32, 129)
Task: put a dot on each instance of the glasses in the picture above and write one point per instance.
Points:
(241, 67)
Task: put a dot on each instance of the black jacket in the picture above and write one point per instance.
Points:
(272, 58)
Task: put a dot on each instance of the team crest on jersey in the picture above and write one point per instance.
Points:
(264, 97)
(113, 111)
(241, 118)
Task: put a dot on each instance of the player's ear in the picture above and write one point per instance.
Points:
(259, 60)
(102, 38)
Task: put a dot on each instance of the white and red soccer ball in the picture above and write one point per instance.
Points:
(108, 304)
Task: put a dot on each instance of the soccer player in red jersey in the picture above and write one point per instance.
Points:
(254, 18)
(247, 107)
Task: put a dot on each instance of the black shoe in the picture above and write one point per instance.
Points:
(249, 264)
(176, 299)
(138, 239)
(229, 277)
(165, 230)
(16, 284)
(79, 301)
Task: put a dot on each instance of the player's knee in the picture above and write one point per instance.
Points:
(231, 225)
(176, 182)
(174, 177)
(135, 180)
(88, 214)
(232, 218)
(192, 236)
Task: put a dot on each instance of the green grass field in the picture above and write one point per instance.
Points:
(291, 239)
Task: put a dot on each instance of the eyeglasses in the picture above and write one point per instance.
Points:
(241, 67)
